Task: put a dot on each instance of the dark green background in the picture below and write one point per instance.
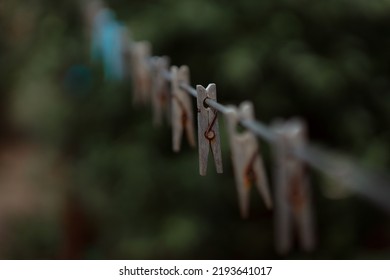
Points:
(125, 194)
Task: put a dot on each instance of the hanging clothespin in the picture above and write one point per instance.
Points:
(90, 10)
(127, 45)
(141, 72)
(160, 89)
(294, 214)
(208, 129)
(107, 44)
(113, 51)
(182, 114)
(247, 162)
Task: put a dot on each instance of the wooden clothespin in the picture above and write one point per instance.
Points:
(247, 162)
(90, 10)
(182, 114)
(294, 214)
(127, 42)
(140, 55)
(160, 89)
(208, 129)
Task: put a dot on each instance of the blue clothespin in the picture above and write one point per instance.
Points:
(112, 44)
(103, 17)
(108, 44)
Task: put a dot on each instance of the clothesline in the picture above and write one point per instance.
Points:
(372, 185)
(290, 146)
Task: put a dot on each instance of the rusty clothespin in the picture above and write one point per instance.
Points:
(208, 129)
(182, 114)
(293, 207)
(160, 89)
(247, 161)
(141, 72)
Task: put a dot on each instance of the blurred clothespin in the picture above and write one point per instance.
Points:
(127, 43)
(108, 45)
(141, 72)
(208, 129)
(113, 57)
(182, 115)
(247, 162)
(160, 89)
(90, 8)
(293, 211)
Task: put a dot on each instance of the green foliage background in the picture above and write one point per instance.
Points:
(326, 61)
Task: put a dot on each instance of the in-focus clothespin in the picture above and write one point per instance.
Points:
(140, 59)
(182, 114)
(160, 89)
(208, 129)
(293, 208)
(247, 162)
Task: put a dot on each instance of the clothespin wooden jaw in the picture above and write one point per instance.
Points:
(247, 162)
(292, 195)
(208, 129)
(182, 114)
(141, 72)
(160, 89)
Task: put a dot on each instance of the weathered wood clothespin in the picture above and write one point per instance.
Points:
(247, 162)
(127, 42)
(141, 72)
(90, 10)
(182, 114)
(208, 129)
(160, 89)
(292, 195)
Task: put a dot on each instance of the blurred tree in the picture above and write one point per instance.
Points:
(326, 61)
